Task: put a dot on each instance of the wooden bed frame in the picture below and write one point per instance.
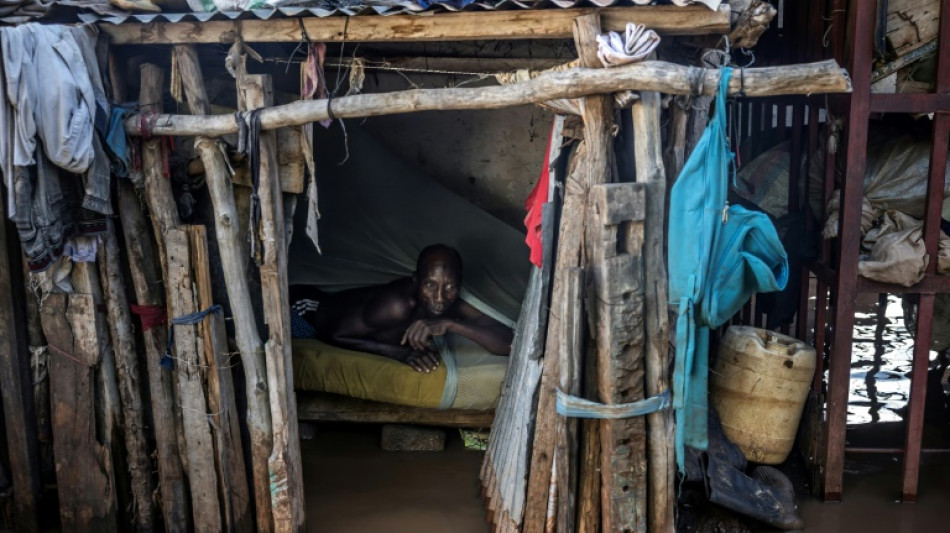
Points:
(324, 407)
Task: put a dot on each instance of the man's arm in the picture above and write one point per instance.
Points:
(385, 310)
(471, 324)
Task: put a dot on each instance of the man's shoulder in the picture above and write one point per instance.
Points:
(395, 299)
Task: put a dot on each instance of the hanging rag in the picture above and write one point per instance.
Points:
(152, 316)
(731, 254)
(249, 142)
(82, 248)
(313, 82)
(636, 44)
(535, 206)
(117, 142)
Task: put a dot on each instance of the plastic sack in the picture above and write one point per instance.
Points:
(897, 251)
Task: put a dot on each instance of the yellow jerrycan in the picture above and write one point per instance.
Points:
(758, 386)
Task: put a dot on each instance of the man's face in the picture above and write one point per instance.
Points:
(438, 288)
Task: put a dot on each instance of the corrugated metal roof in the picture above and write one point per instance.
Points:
(345, 8)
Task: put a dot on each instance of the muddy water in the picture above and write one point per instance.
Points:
(352, 486)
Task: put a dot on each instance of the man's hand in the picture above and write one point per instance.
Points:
(419, 334)
(422, 361)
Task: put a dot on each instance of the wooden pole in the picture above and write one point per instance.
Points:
(648, 149)
(16, 386)
(660, 76)
(147, 282)
(39, 372)
(570, 236)
(233, 258)
(127, 371)
(570, 375)
(158, 187)
(229, 452)
(84, 474)
(285, 469)
(189, 373)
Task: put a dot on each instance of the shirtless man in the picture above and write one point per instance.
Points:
(399, 319)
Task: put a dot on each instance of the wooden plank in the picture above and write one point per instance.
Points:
(84, 475)
(488, 25)
(650, 171)
(661, 76)
(570, 375)
(127, 374)
(911, 24)
(39, 370)
(16, 385)
(198, 449)
(324, 407)
(147, 282)
(617, 325)
(233, 252)
(286, 477)
(229, 452)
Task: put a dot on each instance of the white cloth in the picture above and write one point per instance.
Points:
(636, 44)
(82, 248)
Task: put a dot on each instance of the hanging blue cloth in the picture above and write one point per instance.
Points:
(731, 253)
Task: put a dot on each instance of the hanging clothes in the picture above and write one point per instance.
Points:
(731, 253)
(535, 205)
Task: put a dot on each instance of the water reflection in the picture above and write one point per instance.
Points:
(881, 361)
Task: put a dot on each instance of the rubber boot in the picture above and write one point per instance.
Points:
(767, 496)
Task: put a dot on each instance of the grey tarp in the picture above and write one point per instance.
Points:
(378, 213)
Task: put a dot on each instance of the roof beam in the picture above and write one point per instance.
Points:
(457, 26)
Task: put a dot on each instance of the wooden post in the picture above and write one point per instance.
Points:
(229, 453)
(127, 370)
(650, 171)
(233, 258)
(285, 468)
(147, 281)
(158, 187)
(568, 256)
(39, 372)
(84, 474)
(16, 386)
(190, 374)
(615, 241)
(569, 380)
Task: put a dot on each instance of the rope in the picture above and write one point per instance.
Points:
(575, 407)
(187, 320)
(67, 355)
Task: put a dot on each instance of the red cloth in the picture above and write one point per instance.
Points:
(151, 315)
(534, 205)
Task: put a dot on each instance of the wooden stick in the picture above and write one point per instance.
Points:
(16, 386)
(670, 78)
(189, 373)
(127, 371)
(569, 379)
(39, 371)
(233, 258)
(84, 474)
(158, 187)
(488, 25)
(285, 469)
(147, 282)
(229, 452)
(648, 147)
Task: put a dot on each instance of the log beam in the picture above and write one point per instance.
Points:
(286, 475)
(488, 25)
(659, 76)
(233, 253)
(648, 148)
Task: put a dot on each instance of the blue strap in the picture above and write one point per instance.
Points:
(186, 320)
(575, 407)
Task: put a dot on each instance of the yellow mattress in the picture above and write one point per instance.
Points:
(469, 378)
